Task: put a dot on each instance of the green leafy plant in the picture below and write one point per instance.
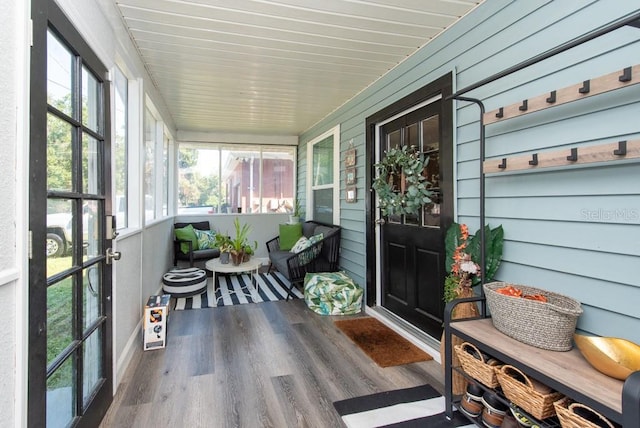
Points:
(241, 240)
(297, 209)
(400, 186)
(463, 258)
(223, 243)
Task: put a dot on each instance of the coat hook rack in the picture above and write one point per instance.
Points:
(622, 149)
(524, 106)
(607, 152)
(578, 91)
(586, 87)
(626, 75)
(552, 97)
(573, 157)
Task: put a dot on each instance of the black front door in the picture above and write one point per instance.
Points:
(410, 248)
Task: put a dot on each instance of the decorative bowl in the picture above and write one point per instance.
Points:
(612, 356)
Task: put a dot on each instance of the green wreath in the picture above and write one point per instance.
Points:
(407, 162)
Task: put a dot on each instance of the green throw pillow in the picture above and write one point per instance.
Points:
(289, 235)
(206, 239)
(187, 234)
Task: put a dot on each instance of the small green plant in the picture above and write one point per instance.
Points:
(297, 209)
(223, 242)
(241, 240)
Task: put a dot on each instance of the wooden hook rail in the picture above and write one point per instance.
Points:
(609, 82)
(557, 158)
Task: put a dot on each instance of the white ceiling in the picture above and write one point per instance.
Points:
(275, 66)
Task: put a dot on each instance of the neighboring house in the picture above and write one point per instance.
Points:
(574, 230)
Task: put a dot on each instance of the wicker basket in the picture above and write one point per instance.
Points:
(565, 409)
(477, 368)
(547, 325)
(525, 395)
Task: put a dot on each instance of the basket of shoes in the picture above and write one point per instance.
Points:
(532, 396)
(533, 316)
(577, 415)
(478, 365)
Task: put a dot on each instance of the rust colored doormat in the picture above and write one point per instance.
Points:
(383, 345)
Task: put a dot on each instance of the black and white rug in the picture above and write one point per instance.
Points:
(421, 406)
(237, 290)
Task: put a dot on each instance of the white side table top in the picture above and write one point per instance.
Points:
(214, 265)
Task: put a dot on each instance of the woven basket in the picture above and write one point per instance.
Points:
(565, 409)
(547, 325)
(476, 368)
(525, 395)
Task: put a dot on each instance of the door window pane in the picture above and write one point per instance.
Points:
(59, 155)
(92, 373)
(91, 233)
(92, 288)
(394, 139)
(60, 395)
(59, 75)
(91, 174)
(90, 101)
(59, 317)
(431, 149)
(59, 235)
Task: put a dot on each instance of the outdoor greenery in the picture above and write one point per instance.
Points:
(196, 189)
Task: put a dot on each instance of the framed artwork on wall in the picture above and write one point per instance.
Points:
(350, 158)
(350, 176)
(351, 196)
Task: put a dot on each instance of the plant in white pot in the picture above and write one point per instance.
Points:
(295, 215)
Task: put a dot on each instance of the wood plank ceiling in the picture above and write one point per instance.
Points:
(275, 66)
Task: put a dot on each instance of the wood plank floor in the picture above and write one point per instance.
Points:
(274, 364)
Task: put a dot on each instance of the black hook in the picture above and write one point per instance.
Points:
(503, 164)
(586, 87)
(500, 113)
(534, 159)
(622, 148)
(626, 75)
(524, 106)
(552, 97)
(573, 156)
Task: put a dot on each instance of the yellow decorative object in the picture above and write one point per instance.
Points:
(614, 357)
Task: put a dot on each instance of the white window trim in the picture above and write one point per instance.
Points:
(335, 131)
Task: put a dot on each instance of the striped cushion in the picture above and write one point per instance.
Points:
(184, 282)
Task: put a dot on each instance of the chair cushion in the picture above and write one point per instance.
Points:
(206, 239)
(332, 293)
(187, 233)
(278, 259)
(289, 235)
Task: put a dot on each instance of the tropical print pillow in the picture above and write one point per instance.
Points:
(332, 293)
(206, 239)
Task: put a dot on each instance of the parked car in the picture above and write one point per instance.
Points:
(59, 234)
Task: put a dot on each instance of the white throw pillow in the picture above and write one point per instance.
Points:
(300, 244)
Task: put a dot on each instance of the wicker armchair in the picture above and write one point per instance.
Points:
(323, 256)
(192, 255)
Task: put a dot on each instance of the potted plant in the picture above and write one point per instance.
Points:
(249, 250)
(464, 271)
(223, 243)
(295, 215)
(240, 241)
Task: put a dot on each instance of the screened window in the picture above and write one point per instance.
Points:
(221, 178)
(149, 181)
(322, 177)
(120, 147)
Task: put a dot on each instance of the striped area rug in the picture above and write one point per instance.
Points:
(421, 406)
(238, 290)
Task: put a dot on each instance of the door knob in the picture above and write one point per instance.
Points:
(381, 221)
(112, 255)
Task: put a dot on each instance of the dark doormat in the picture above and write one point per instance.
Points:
(383, 345)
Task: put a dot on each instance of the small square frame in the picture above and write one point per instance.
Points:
(351, 194)
(350, 176)
(350, 158)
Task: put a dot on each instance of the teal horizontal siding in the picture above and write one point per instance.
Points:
(573, 230)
